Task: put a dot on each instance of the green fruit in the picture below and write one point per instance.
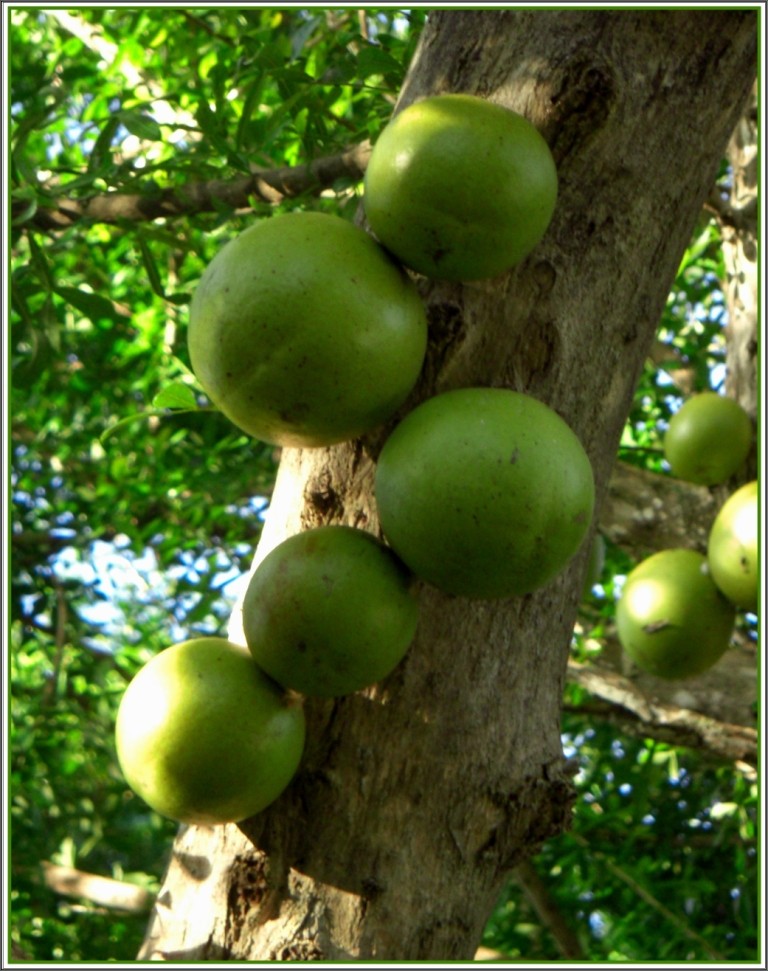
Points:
(484, 492)
(329, 611)
(303, 331)
(732, 549)
(204, 737)
(671, 618)
(708, 439)
(459, 188)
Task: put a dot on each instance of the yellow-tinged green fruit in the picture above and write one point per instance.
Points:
(304, 331)
(732, 550)
(671, 619)
(484, 492)
(708, 439)
(459, 188)
(329, 611)
(204, 736)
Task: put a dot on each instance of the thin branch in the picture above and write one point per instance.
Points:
(268, 186)
(643, 511)
(103, 891)
(670, 360)
(648, 897)
(678, 726)
(539, 896)
(196, 21)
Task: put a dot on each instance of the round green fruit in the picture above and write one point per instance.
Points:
(708, 439)
(204, 737)
(732, 550)
(304, 331)
(329, 611)
(459, 188)
(671, 619)
(484, 492)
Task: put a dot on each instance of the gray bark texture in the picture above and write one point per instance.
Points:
(738, 223)
(417, 798)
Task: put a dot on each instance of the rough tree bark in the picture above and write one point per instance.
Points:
(737, 215)
(417, 797)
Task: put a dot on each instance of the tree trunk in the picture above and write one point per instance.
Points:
(417, 797)
(738, 224)
(738, 221)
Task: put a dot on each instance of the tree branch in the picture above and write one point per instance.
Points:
(741, 218)
(644, 511)
(103, 891)
(669, 359)
(540, 898)
(268, 185)
(666, 722)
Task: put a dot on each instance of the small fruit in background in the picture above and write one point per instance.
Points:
(732, 550)
(708, 439)
(304, 331)
(484, 492)
(204, 736)
(672, 620)
(459, 188)
(329, 611)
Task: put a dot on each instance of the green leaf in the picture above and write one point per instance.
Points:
(300, 36)
(150, 265)
(100, 150)
(176, 395)
(92, 305)
(373, 60)
(141, 125)
(23, 168)
(251, 102)
(40, 262)
(67, 186)
(19, 304)
(24, 206)
(211, 126)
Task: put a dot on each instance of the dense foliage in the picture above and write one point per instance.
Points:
(137, 507)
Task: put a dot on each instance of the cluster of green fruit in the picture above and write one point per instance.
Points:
(678, 607)
(306, 331)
